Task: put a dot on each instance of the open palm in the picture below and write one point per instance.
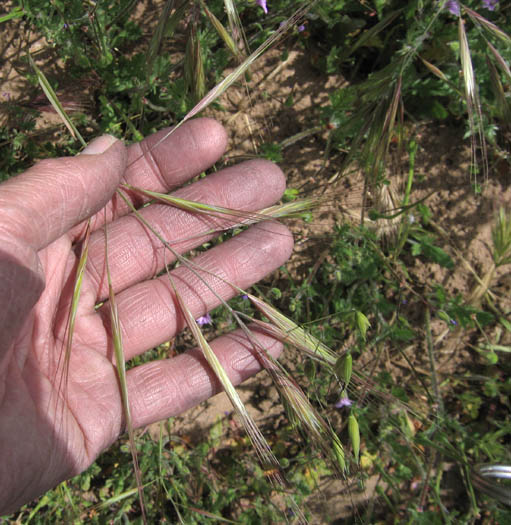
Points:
(53, 425)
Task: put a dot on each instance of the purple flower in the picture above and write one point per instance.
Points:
(262, 3)
(490, 4)
(244, 297)
(301, 28)
(345, 401)
(204, 319)
(453, 322)
(453, 7)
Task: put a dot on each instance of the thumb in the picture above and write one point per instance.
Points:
(43, 203)
(38, 207)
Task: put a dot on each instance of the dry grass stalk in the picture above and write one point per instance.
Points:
(123, 384)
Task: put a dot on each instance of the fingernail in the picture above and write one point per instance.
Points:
(99, 145)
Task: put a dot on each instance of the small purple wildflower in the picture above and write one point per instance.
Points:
(453, 7)
(244, 297)
(345, 401)
(490, 4)
(453, 322)
(262, 3)
(204, 319)
(301, 28)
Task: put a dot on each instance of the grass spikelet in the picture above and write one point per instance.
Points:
(224, 35)
(501, 237)
(475, 116)
(52, 97)
(500, 60)
(73, 309)
(121, 374)
(502, 103)
(343, 368)
(486, 24)
(237, 31)
(338, 451)
(164, 25)
(440, 74)
(303, 412)
(289, 332)
(194, 66)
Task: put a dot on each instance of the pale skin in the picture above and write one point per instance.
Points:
(50, 428)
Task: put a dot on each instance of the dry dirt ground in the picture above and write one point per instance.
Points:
(463, 218)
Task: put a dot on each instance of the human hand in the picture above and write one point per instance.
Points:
(53, 428)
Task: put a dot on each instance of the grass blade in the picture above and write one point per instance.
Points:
(17, 12)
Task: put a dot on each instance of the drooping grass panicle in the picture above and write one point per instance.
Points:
(288, 389)
(261, 446)
(278, 211)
